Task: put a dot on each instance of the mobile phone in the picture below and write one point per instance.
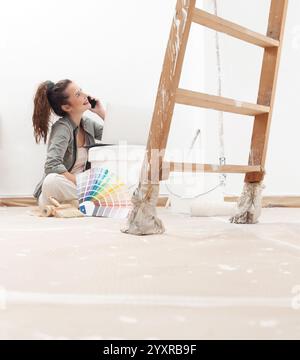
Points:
(93, 102)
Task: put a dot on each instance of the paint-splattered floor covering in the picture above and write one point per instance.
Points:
(204, 279)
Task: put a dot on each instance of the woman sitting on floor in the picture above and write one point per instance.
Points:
(66, 153)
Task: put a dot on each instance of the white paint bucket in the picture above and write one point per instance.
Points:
(125, 161)
(191, 192)
(183, 188)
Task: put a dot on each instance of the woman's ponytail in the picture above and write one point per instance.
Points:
(49, 97)
(42, 112)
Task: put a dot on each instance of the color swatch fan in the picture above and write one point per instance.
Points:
(101, 194)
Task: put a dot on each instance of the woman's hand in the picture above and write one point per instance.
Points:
(98, 109)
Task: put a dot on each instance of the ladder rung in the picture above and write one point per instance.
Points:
(192, 98)
(216, 23)
(208, 168)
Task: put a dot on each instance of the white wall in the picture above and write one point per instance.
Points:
(113, 49)
(241, 69)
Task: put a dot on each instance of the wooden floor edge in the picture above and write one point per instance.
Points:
(274, 201)
(31, 201)
(18, 202)
(268, 201)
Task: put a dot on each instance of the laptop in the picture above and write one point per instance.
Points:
(126, 124)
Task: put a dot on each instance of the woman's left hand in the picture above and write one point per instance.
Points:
(98, 109)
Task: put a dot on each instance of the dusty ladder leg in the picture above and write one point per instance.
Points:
(143, 219)
(250, 203)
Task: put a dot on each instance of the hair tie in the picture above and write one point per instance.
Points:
(50, 86)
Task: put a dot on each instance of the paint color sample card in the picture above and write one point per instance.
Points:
(101, 194)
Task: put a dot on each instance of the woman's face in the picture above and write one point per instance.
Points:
(77, 100)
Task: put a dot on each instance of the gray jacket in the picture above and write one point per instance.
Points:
(62, 146)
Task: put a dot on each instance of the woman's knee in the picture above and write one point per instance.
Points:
(51, 182)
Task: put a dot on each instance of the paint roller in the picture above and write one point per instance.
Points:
(60, 210)
(206, 204)
(211, 203)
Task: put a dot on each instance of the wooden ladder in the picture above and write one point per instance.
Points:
(169, 94)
